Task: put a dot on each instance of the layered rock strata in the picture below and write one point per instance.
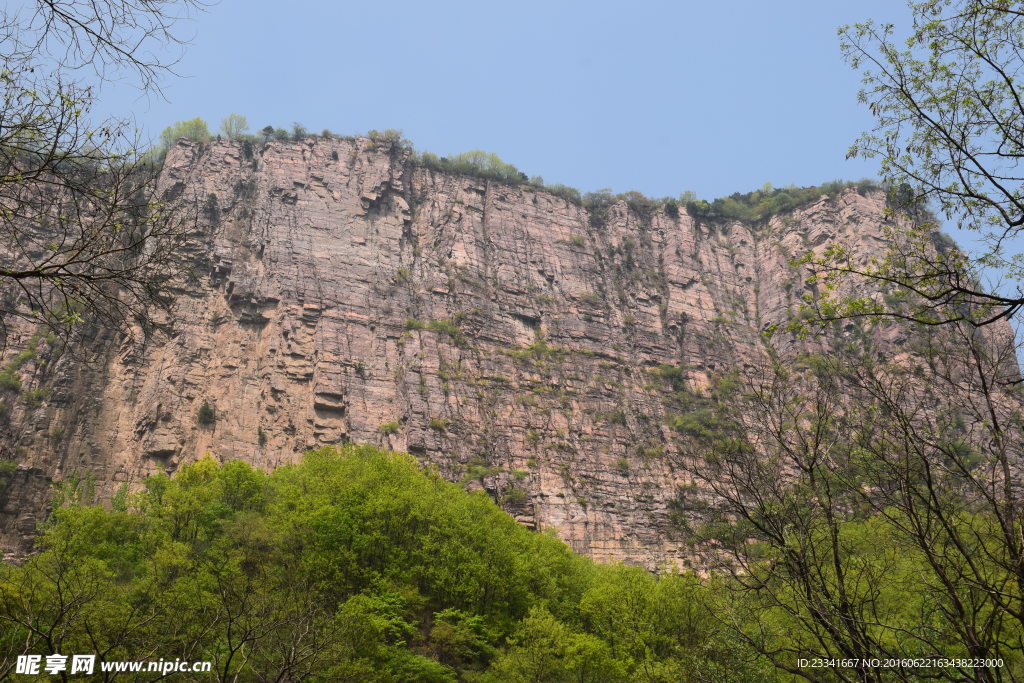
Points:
(499, 332)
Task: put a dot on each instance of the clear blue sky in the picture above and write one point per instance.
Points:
(653, 96)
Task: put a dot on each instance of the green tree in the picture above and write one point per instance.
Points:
(354, 565)
(205, 416)
(192, 129)
(544, 649)
(234, 126)
(475, 162)
(949, 130)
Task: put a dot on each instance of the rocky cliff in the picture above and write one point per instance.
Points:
(501, 333)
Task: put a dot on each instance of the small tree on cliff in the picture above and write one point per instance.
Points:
(192, 129)
(205, 416)
(234, 126)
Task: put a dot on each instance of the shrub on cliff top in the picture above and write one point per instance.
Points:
(192, 129)
(769, 201)
(475, 163)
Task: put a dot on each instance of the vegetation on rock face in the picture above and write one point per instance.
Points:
(206, 416)
(355, 564)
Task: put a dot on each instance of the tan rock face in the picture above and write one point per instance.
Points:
(497, 332)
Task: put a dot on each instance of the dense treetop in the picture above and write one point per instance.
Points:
(354, 565)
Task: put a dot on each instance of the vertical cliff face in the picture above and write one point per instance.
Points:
(498, 332)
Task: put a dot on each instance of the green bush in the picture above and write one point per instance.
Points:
(378, 569)
(35, 397)
(206, 416)
(390, 428)
(570, 194)
(769, 201)
(9, 380)
(475, 163)
(192, 129)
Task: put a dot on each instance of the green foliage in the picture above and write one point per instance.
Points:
(847, 490)
(206, 415)
(639, 204)
(192, 129)
(546, 649)
(514, 495)
(370, 567)
(674, 375)
(768, 201)
(73, 490)
(475, 163)
(597, 205)
(570, 194)
(615, 417)
(539, 351)
(390, 428)
(35, 397)
(439, 424)
(7, 471)
(947, 109)
(234, 126)
(461, 638)
(391, 137)
(449, 327)
(700, 423)
(9, 378)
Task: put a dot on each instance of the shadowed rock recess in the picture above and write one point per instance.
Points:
(502, 334)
